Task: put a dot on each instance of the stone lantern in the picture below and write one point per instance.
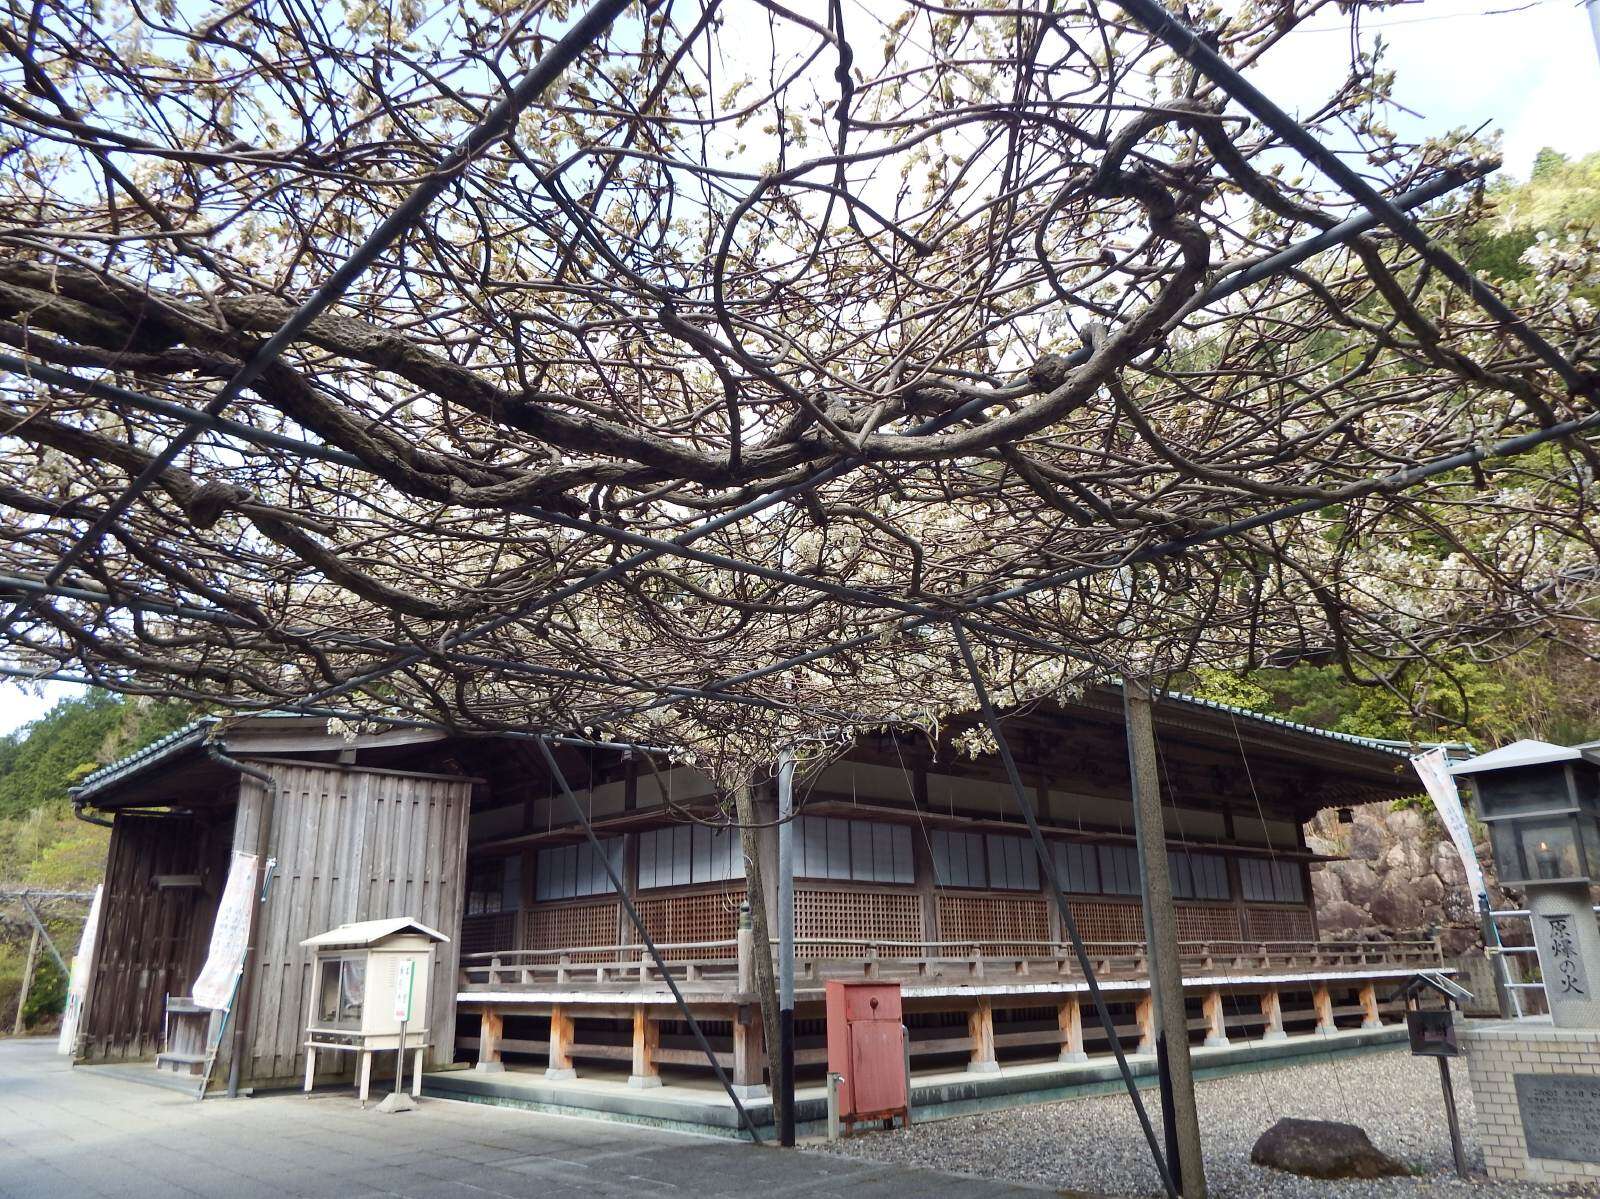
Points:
(1542, 805)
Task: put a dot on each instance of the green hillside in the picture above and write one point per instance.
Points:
(41, 844)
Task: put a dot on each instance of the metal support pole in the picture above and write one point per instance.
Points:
(1505, 997)
(1181, 1116)
(1068, 921)
(785, 1071)
(1456, 1147)
(582, 818)
(44, 934)
(27, 981)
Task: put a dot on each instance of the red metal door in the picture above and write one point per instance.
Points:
(877, 1067)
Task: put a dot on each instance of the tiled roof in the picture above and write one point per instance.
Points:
(1389, 747)
(190, 734)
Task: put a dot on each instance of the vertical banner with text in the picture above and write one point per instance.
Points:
(230, 936)
(1433, 768)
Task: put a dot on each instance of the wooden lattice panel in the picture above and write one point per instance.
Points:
(1278, 924)
(1200, 923)
(488, 934)
(853, 916)
(1020, 923)
(1103, 923)
(691, 919)
(574, 926)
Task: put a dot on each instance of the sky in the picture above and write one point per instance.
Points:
(1528, 70)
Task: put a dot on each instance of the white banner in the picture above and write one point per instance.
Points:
(229, 936)
(1434, 770)
(78, 984)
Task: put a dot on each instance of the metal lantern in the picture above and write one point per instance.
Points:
(1542, 805)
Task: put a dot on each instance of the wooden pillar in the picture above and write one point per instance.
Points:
(27, 980)
(1272, 1013)
(1322, 1002)
(490, 1029)
(1216, 1021)
(1069, 1017)
(980, 1027)
(749, 1058)
(646, 1041)
(1146, 1016)
(1369, 1006)
(561, 1032)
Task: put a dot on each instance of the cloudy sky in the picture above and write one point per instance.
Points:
(1528, 70)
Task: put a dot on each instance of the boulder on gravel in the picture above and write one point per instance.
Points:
(1322, 1149)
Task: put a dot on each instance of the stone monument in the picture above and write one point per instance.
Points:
(1536, 1081)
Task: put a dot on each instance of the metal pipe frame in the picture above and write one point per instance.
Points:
(400, 722)
(1188, 45)
(644, 935)
(1183, 41)
(499, 121)
(220, 616)
(1507, 448)
(1047, 868)
(654, 548)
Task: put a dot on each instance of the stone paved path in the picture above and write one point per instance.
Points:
(68, 1134)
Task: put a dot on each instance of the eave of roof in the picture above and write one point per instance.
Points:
(195, 733)
(1392, 748)
(162, 749)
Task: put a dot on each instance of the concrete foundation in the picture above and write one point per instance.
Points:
(1531, 1070)
(700, 1106)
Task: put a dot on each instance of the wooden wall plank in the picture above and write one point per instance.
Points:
(355, 845)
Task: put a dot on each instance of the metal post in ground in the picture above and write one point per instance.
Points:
(1161, 934)
(785, 1071)
(1456, 1147)
(1069, 922)
(27, 981)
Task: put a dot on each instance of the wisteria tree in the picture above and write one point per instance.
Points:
(763, 329)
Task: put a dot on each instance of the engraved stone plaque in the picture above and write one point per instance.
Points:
(1560, 1115)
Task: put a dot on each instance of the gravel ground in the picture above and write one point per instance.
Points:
(1094, 1145)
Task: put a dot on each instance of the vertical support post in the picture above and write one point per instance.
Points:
(1145, 1017)
(758, 869)
(27, 980)
(1272, 1015)
(1456, 1148)
(1069, 1018)
(582, 818)
(646, 1041)
(561, 1032)
(1322, 1003)
(1505, 996)
(1216, 1021)
(1161, 934)
(1369, 1006)
(491, 1027)
(980, 1027)
(747, 1054)
(1068, 921)
(784, 1075)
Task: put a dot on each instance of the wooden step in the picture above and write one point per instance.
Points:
(181, 1059)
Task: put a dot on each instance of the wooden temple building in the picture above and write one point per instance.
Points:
(911, 863)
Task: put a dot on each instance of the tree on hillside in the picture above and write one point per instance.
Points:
(39, 761)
